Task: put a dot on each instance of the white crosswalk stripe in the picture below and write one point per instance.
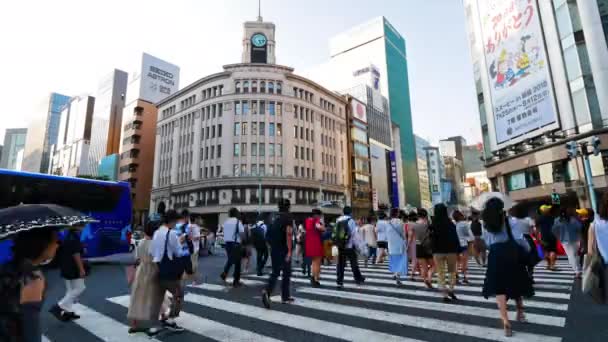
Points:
(353, 313)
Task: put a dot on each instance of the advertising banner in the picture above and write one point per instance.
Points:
(159, 79)
(521, 90)
(394, 180)
(359, 110)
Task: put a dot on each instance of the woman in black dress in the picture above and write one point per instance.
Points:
(506, 276)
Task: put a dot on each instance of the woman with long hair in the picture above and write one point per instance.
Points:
(22, 285)
(381, 227)
(424, 254)
(396, 237)
(479, 246)
(506, 275)
(567, 230)
(314, 244)
(445, 250)
(465, 237)
(520, 221)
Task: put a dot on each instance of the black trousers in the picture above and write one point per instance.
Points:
(233, 251)
(348, 254)
(262, 257)
(279, 264)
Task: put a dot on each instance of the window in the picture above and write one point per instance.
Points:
(217, 171)
(271, 150)
(262, 169)
(262, 127)
(262, 150)
(212, 152)
(254, 149)
(237, 87)
(279, 130)
(211, 172)
(270, 87)
(219, 130)
(271, 170)
(244, 128)
(254, 169)
(262, 108)
(307, 172)
(206, 173)
(243, 169)
(295, 112)
(206, 153)
(262, 87)
(271, 129)
(245, 86)
(296, 151)
(245, 108)
(244, 149)
(307, 134)
(237, 150)
(254, 128)
(279, 150)
(237, 108)
(295, 171)
(219, 151)
(307, 115)
(312, 135)
(254, 107)
(307, 153)
(301, 132)
(279, 88)
(313, 173)
(295, 132)
(213, 131)
(237, 129)
(271, 108)
(254, 86)
(207, 132)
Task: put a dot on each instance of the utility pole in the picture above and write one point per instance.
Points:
(582, 148)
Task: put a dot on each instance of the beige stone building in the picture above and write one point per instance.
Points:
(254, 126)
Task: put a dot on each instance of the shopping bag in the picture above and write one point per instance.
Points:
(560, 249)
(539, 250)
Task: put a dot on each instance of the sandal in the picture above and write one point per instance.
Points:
(521, 317)
(508, 329)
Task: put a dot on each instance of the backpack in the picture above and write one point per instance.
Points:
(341, 233)
(257, 236)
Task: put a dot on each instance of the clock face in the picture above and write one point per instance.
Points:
(258, 40)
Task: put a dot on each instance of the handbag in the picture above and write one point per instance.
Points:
(595, 277)
(170, 269)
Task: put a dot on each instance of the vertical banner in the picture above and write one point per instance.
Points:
(394, 180)
(375, 199)
(521, 90)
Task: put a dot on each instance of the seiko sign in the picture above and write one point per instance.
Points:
(161, 75)
(159, 79)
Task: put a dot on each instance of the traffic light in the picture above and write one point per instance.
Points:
(595, 143)
(572, 148)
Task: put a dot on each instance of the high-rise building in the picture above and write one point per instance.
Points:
(12, 152)
(107, 118)
(541, 81)
(249, 135)
(423, 172)
(377, 42)
(43, 133)
(362, 201)
(436, 175)
(452, 150)
(71, 153)
(155, 80)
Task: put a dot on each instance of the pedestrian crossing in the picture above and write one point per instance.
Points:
(378, 310)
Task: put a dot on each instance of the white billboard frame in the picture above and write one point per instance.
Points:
(486, 86)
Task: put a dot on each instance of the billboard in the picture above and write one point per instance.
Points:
(359, 110)
(520, 87)
(394, 180)
(158, 79)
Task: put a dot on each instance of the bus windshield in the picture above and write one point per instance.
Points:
(108, 202)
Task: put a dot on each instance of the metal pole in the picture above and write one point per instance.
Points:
(259, 195)
(589, 179)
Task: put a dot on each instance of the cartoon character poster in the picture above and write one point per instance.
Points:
(520, 83)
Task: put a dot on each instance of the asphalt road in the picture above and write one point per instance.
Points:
(376, 311)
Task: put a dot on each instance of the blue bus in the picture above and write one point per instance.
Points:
(108, 202)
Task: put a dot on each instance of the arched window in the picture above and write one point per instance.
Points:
(270, 87)
(279, 88)
(254, 86)
(245, 86)
(262, 87)
(237, 87)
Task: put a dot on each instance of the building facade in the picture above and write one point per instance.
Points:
(423, 172)
(377, 42)
(453, 169)
(107, 118)
(155, 80)
(555, 90)
(43, 130)
(71, 154)
(436, 174)
(362, 197)
(250, 135)
(12, 151)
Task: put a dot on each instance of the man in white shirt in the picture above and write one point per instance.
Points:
(166, 236)
(348, 252)
(233, 228)
(195, 236)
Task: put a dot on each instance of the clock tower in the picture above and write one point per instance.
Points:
(258, 42)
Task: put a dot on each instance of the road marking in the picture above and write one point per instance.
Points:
(476, 289)
(105, 328)
(419, 304)
(435, 294)
(424, 322)
(208, 328)
(317, 326)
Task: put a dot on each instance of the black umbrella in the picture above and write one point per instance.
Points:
(30, 216)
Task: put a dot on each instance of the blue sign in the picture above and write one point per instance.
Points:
(394, 180)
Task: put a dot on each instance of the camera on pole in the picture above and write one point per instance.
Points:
(572, 148)
(595, 143)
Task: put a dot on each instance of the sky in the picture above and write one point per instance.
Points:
(67, 47)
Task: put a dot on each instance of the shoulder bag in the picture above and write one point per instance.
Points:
(170, 269)
(595, 277)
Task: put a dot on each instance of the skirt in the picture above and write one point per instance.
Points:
(382, 244)
(506, 274)
(398, 264)
(549, 243)
(479, 245)
(146, 294)
(423, 253)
